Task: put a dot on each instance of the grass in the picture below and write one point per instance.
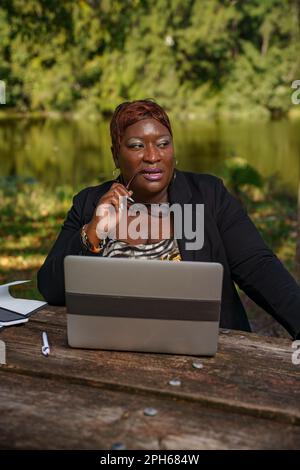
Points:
(31, 217)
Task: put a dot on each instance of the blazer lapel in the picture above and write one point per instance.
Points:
(180, 193)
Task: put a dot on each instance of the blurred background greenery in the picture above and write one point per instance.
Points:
(196, 57)
(222, 69)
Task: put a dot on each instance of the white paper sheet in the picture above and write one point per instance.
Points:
(23, 306)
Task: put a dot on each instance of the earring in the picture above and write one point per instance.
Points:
(115, 171)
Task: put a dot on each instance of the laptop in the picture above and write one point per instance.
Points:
(143, 305)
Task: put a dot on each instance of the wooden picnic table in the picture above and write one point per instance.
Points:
(246, 397)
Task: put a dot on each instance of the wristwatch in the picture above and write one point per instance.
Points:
(86, 242)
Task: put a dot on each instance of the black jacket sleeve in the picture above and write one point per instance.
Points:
(254, 267)
(50, 277)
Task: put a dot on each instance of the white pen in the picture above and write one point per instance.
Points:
(45, 347)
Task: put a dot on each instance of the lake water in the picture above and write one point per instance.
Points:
(57, 152)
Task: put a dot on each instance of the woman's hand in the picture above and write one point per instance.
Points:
(105, 220)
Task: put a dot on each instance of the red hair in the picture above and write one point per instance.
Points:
(128, 113)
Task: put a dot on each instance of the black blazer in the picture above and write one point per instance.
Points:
(230, 238)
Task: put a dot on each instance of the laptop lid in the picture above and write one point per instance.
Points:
(140, 294)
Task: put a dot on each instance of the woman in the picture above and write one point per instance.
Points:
(142, 150)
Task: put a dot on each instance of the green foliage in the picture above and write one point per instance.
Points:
(238, 174)
(197, 57)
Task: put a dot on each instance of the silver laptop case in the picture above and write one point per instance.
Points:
(143, 305)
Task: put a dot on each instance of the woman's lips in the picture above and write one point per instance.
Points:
(152, 174)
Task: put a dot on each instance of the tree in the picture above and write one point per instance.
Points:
(198, 56)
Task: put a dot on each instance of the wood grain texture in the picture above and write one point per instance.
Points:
(47, 414)
(247, 396)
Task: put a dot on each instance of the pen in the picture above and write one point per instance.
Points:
(45, 347)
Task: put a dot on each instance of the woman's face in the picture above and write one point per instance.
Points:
(147, 147)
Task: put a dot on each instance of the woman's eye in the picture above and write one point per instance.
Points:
(164, 143)
(135, 146)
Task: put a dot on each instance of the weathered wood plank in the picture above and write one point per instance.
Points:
(50, 314)
(250, 374)
(39, 413)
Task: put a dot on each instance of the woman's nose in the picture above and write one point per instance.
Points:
(151, 153)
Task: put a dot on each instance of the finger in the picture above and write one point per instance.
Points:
(121, 202)
(115, 184)
(111, 204)
(114, 200)
(116, 190)
(121, 189)
(112, 193)
(122, 196)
